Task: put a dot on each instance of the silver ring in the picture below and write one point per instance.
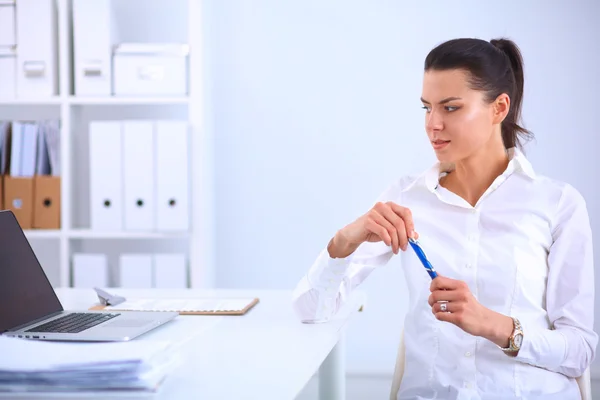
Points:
(444, 307)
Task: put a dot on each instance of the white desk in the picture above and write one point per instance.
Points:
(265, 354)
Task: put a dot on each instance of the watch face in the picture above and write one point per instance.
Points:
(518, 340)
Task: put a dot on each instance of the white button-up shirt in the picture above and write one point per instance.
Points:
(525, 250)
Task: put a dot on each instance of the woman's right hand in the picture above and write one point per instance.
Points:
(387, 222)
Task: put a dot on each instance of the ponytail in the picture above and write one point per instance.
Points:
(511, 130)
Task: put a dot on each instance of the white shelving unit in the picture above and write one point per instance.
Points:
(55, 247)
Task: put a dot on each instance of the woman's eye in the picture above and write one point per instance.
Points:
(428, 109)
(450, 108)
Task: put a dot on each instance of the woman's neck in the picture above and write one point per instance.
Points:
(472, 176)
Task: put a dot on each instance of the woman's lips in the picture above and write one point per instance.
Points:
(440, 144)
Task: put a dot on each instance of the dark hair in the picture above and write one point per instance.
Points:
(494, 67)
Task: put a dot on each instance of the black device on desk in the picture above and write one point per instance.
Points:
(31, 310)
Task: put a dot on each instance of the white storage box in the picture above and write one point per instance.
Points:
(150, 69)
(92, 47)
(170, 271)
(90, 270)
(135, 271)
(37, 67)
(7, 23)
(8, 74)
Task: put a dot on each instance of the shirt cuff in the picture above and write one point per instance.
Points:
(329, 272)
(542, 347)
(326, 278)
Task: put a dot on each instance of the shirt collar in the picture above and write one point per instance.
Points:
(517, 163)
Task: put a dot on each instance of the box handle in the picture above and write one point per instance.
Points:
(34, 68)
(93, 68)
(151, 72)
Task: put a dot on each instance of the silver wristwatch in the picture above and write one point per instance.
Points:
(516, 338)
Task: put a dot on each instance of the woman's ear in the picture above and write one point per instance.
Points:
(501, 107)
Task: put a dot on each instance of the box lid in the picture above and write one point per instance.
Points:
(152, 49)
(8, 51)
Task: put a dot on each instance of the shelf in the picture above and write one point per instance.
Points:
(52, 101)
(89, 234)
(43, 233)
(127, 100)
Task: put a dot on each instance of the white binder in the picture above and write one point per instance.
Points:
(172, 177)
(170, 271)
(135, 271)
(90, 270)
(36, 51)
(92, 21)
(138, 173)
(8, 74)
(7, 24)
(106, 169)
(16, 149)
(29, 150)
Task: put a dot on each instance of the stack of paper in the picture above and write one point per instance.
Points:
(34, 366)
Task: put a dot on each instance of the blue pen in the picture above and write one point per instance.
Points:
(421, 254)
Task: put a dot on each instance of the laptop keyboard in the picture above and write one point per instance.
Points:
(73, 323)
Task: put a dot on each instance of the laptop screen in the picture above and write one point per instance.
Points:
(25, 292)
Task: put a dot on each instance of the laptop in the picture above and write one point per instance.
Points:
(31, 310)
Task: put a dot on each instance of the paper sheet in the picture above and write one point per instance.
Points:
(31, 355)
(185, 305)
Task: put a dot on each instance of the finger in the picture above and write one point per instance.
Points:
(444, 283)
(373, 226)
(448, 295)
(398, 223)
(453, 317)
(406, 216)
(381, 220)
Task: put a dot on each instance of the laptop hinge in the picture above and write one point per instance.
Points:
(18, 328)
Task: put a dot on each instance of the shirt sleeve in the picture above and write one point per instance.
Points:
(568, 348)
(329, 281)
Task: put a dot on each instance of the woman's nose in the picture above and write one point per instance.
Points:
(433, 121)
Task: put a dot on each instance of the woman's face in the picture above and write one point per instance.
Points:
(458, 120)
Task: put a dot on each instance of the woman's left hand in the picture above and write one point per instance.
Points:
(464, 311)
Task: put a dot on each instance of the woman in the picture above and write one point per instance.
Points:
(511, 313)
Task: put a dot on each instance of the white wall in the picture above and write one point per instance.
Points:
(315, 109)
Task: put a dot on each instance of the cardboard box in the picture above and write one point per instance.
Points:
(2, 192)
(46, 202)
(18, 197)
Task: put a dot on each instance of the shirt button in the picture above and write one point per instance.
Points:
(468, 385)
(468, 265)
(468, 354)
(474, 211)
(472, 238)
